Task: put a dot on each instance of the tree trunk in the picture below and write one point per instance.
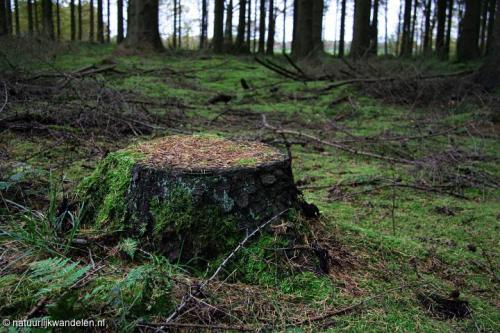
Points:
(108, 21)
(491, 24)
(16, 17)
(283, 45)
(249, 25)
(179, 22)
(240, 37)
(48, 22)
(374, 29)
(119, 8)
(427, 29)
(9, 16)
(142, 25)
(72, 20)
(406, 47)
(484, 21)
(271, 29)
(204, 24)
(489, 73)
(30, 16)
(441, 19)
(37, 21)
(218, 39)
(100, 21)
(262, 26)
(386, 39)
(3, 18)
(413, 24)
(228, 31)
(255, 13)
(91, 21)
(467, 48)
(342, 29)
(309, 25)
(361, 29)
(447, 43)
(80, 28)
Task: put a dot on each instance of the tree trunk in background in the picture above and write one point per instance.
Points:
(447, 43)
(179, 24)
(16, 17)
(283, 45)
(9, 16)
(294, 28)
(255, 28)
(174, 37)
(80, 28)
(91, 21)
(318, 9)
(204, 24)
(119, 8)
(72, 20)
(58, 19)
(262, 26)
(441, 20)
(467, 48)
(374, 29)
(491, 23)
(342, 29)
(3, 18)
(427, 29)
(142, 25)
(361, 29)
(48, 22)
(218, 39)
(271, 29)
(228, 31)
(108, 28)
(37, 22)
(30, 16)
(484, 21)
(489, 73)
(413, 24)
(240, 37)
(406, 47)
(386, 41)
(249, 26)
(100, 22)
(309, 25)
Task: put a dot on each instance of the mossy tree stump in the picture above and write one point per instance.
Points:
(190, 196)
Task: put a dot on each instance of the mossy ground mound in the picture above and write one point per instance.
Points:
(189, 196)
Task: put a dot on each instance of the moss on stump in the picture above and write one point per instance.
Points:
(189, 196)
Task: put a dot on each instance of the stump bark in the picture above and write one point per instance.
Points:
(197, 197)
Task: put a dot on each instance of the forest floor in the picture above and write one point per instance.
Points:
(412, 232)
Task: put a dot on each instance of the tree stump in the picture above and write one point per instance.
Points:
(191, 196)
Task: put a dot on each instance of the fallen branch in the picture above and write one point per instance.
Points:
(337, 145)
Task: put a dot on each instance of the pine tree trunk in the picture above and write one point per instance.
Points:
(58, 19)
(484, 21)
(9, 17)
(108, 21)
(428, 32)
(271, 29)
(174, 37)
(142, 25)
(179, 22)
(30, 16)
(204, 24)
(308, 29)
(80, 28)
(218, 39)
(386, 39)
(317, 26)
(413, 24)
(48, 22)
(91, 21)
(37, 22)
(441, 19)
(374, 29)
(283, 46)
(100, 22)
(262, 26)
(447, 43)
(249, 25)
(361, 29)
(491, 24)
(240, 37)
(406, 47)
(342, 29)
(119, 7)
(467, 48)
(3, 18)
(72, 20)
(489, 73)
(228, 31)
(16, 17)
